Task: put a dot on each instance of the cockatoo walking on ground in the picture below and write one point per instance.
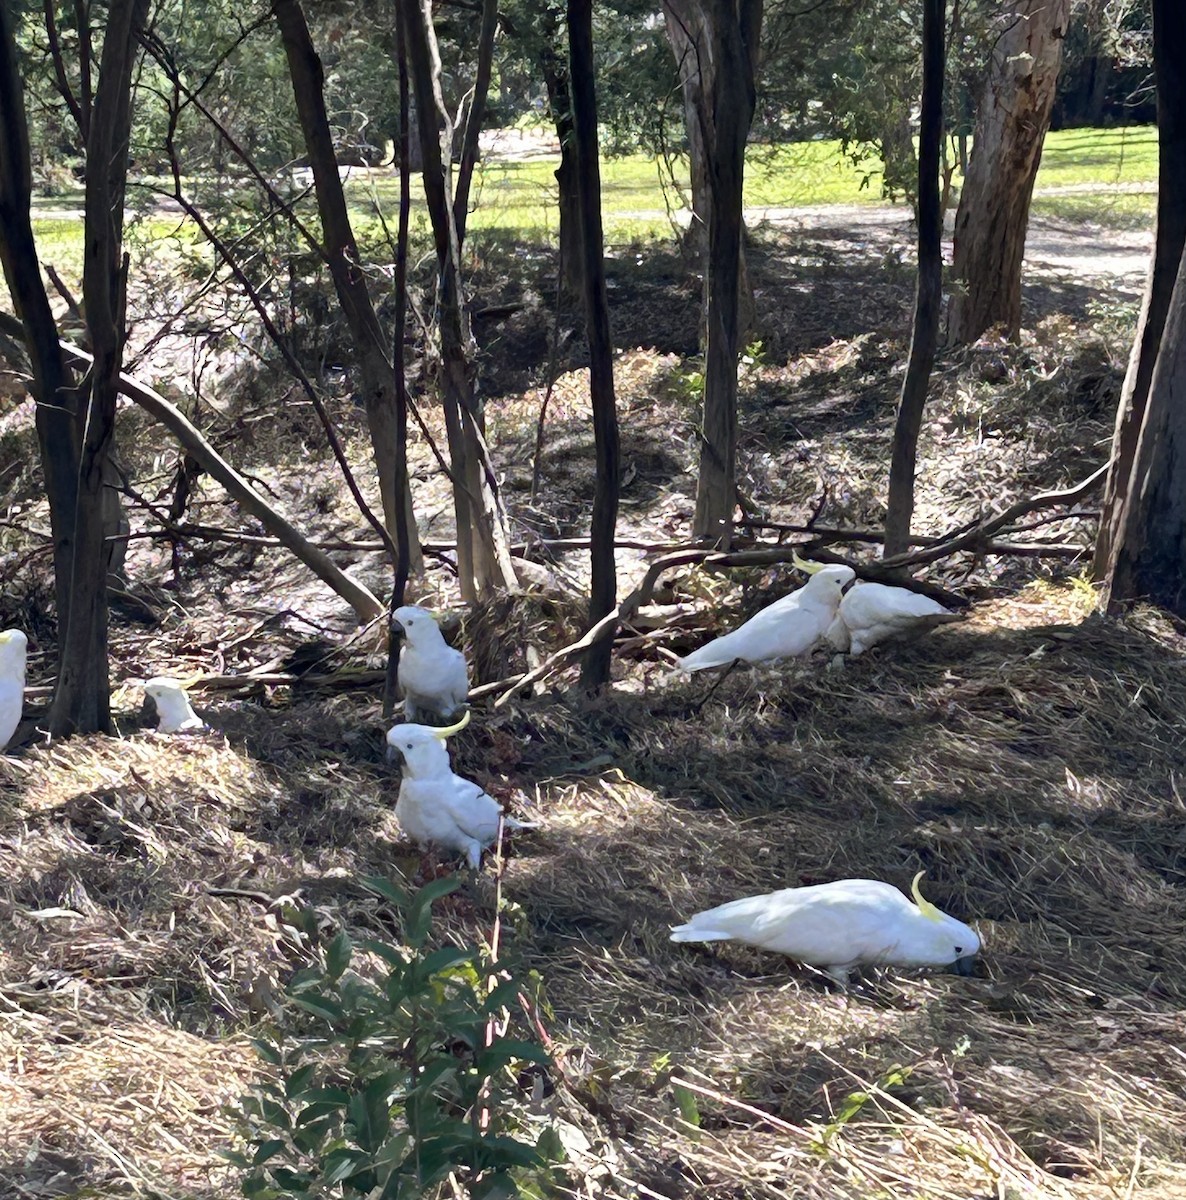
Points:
(841, 925)
(432, 675)
(872, 612)
(788, 628)
(173, 707)
(437, 807)
(14, 646)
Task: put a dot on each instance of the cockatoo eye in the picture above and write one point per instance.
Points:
(959, 949)
(409, 746)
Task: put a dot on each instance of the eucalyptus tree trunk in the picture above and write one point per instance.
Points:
(483, 549)
(723, 37)
(340, 252)
(82, 700)
(555, 70)
(1169, 53)
(993, 213)
(603, 594)
(1148, 559)
(929, 296)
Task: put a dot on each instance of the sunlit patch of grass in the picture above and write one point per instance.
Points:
(1124, 211)
(1114, 156)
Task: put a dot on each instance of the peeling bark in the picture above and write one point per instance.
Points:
(1011, 124)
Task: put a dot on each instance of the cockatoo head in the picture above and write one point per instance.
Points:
(422, 747)
(13, 647)
(169, 698)
(939, 940)
(826, 579)
(417, 625)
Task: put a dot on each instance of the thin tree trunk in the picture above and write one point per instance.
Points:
(82, 699)
(729, 47)
(555, 73)
(1169, 49)
(55, 404)
(341, 253)
(473, 120)
(603, 593)
(1149, 559)
(993, 213)
(929, 297)
(483, 551)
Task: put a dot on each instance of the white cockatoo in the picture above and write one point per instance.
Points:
(432, 675)
(437, 807)
(175, 715)
(13, 648)
(841, 925)
(788, 628)
(872, 612)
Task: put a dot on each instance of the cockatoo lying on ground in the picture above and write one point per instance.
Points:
(432, 675)
(13, 648)
(841, 925)
(172, 706)
(789, 627)
(437, 807)
(872, 612)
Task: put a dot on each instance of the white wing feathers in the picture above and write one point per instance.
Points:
(873, 612)
(788, 628)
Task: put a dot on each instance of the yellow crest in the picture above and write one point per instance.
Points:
(449, 730)
(924, 906)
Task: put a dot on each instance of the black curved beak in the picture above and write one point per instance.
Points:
(397, 629)
(965, 965)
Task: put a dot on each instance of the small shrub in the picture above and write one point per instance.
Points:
(386, 1083)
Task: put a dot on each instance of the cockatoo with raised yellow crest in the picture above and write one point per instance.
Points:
(788, 628)
(14, 646)
(842, 925)
(174, 711)
(432, 675)
(874, 612)
(436, 806)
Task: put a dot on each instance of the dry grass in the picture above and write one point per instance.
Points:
(1029, 758)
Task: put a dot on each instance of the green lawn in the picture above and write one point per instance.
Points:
(517, 200)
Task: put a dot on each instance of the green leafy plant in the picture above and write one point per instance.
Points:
(390, 1073)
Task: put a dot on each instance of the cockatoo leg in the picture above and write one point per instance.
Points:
(720, 679)
(473, 854)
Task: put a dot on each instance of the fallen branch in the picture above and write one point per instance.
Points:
(975, 537)
(365, 605)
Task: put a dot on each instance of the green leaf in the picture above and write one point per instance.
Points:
(266, 1051)
(503, 1052)
(298, 1081)
(419, 916)
(394, 956)
(321, 1006)
(333, 1096)
(266, 1150)
(337, 955)
(369, 1114)
(503, 996)
(499, 1186)
(292, 1181)
(444, 958)
(389, 891)
(685, 1099)
(342, 1163)
(549, 1145)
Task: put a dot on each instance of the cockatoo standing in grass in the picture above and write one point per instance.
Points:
(787, 628)
(173, 707)
(432, 675)
(13, 648)
(872, 612)
(841, 925)
(437, 807)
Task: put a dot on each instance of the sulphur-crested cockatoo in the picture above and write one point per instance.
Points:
(841, 925)
(13, 647)
(789, 627)
(432, 675)
(872, 612)
(437, 807)
(172, 705)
